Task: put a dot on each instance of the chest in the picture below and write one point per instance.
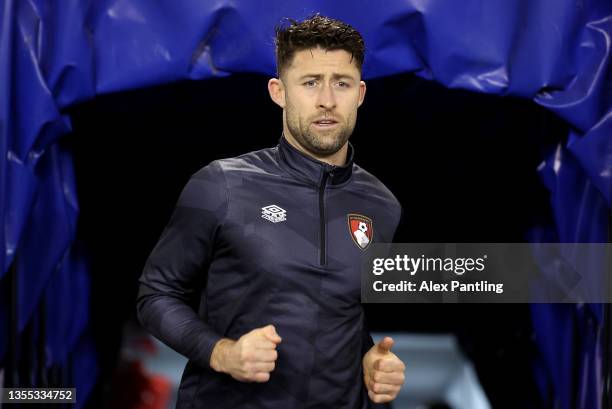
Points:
(299, 234)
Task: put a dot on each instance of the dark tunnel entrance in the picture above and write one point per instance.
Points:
(463, 165)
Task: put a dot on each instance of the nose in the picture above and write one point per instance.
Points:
(326, 98)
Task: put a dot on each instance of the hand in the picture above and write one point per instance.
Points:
(383, 372)
(251, 358)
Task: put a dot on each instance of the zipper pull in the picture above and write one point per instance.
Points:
(331, 171)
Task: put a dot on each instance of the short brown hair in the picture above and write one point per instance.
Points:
(317, 30)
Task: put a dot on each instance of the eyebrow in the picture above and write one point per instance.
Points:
(334, 76)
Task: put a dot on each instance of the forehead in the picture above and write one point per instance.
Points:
(320, 61)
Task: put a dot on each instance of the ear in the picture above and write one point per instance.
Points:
(276, 88)
(362, 91)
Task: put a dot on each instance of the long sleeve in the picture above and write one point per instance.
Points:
(366, 338)
(176, 270)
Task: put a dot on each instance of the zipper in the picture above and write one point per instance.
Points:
(322, 220)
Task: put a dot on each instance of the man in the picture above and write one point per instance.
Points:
(267, 247)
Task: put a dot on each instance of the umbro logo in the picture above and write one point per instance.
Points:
(274, 213)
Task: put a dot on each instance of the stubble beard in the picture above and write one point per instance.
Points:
(320, 143)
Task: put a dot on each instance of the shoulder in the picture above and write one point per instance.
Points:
(260, 161)
(369, 184)
(388, 209)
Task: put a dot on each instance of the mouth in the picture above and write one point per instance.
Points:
(325, 123)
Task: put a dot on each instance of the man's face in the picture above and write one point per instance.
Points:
(322, 91)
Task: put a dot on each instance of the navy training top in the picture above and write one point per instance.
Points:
(270, 237)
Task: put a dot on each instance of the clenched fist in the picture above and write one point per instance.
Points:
(383, 372)
(251, 358)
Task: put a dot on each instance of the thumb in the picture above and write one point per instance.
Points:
(384, 345)
(270, 332)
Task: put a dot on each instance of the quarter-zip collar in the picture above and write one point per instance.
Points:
(310, 169)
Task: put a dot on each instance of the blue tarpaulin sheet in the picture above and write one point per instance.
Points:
(56, 54)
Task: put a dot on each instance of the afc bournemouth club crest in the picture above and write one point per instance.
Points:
(361, 230)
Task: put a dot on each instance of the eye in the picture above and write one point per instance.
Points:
(343, 84)
(310, 83)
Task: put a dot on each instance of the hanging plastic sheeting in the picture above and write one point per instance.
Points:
(576, 333)
(555, 52)
(39, 206)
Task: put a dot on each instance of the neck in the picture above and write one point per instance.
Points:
(337, 159)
